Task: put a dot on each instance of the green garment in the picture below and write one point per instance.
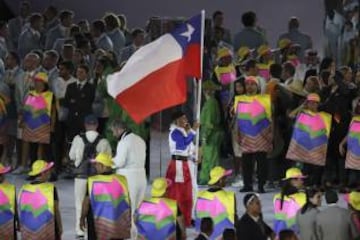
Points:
(211, 134)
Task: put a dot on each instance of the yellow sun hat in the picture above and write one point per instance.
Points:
(353, 199)
(4, 169)
(284, 43)
(103, 158)
(40, 166)
(217, 173)
(293, 173)
(243, 52)
(263, 50)
(223, 52)
(159, 187)
(41, 77)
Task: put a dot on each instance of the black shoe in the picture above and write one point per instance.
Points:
(246, 189)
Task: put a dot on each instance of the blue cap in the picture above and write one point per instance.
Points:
(91, 119)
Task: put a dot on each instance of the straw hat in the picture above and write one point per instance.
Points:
(217, 173)
(103, 158)
(353, 199)
(4, 169)
(263, 50)
(284, 43)
(296, 87)
(242, 53)
(159, 187)
(293, 173)
(41, 77)
(40, 166)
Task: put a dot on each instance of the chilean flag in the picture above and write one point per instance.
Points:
(154, 78)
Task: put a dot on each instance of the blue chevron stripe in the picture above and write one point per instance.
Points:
(353, 146)
(246, 127)
(304, 139)
(34, 123)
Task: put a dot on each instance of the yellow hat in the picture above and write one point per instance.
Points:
(223, 52)
(40, 166)
(103, 158)
(217, 173)
(42, 77)
(293, 173)
(159, 187)
(284, 43)
(243, 52)
(353, 199)
(4, 169)
(296, 87)
(263, 50)
(313, 97)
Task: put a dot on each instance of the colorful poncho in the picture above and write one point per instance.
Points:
(156, 219)
(36, 203)
(285, 213)
(254, 123)
(110, 203)
(7, 211)
(220, 206)
(310, 138)
(353, 145)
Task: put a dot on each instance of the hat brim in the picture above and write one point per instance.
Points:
(5, 170)
(161, 192)
(295, 177)
(215, 180)
(48, 167)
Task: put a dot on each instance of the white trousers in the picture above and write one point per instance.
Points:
(79, 192)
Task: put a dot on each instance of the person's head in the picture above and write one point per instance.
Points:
(84, 26)
(251, 68)
(347, 73)
(331, 196)
(287, 234)
(41, 82)
(66, 18)
(91, 123)
(207, 226)
(97, 28)
(85, 46)
(75, 31)
(357, 77)
(348, 26)
(111, 21)
(51, 58)
(82, 72)
(101, 64)
(41, 170)
(138, 37)
(68, 52)
(312, 84)
(294, 23)
(12, 60)
(239, 86)
(50, 13)
(312, 102)
(264, 53)
(311, 57)
(218, 176)
(353, 200)
(313, 199)
(229, 234)
(275, 70)
(219, 33)
(25, 9)
(179, 119)
(78, 57)
(123, 21)
(251, 85)
(294, 177)
(36, 21)
(224, 57)
(66, 69)
(327, 64)
(31, 62)
(159, 187)
(309, 73)
(118, 127)
(4, 30)
(103, 163)
(218, 18)
(249, 19)
(3, 170)
(288, 71)
(252, 204)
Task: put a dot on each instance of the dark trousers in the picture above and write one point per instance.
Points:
(314, 174)
(147, 159)
(58, 144)
(248, 164)
(102, 125)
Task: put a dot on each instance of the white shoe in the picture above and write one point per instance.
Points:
(237, 183)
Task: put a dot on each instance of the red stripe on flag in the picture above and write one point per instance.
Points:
(163, 88)
(192, 60)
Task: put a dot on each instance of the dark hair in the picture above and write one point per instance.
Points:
(294, 23)
(310, 193)
(309, 73)
(229, 234)
(247, 197)
(286, 190)
(135, 32)
(122, 19)
(53, 10)
(52, 54)
(75, 29)
(331, 196)
(69, 65)
(35, 17)
(99, 25)
(217, 13)
(275, 70)
(325, 63)
(85, 67)
(250, 64)
(286, 234)
(248, 19)
(325, 75)
(112, 21)
(14, 55)
(65, 14)
(240, 81)
(289, 67)
(206, 225)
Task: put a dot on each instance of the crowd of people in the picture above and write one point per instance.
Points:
(273, 110)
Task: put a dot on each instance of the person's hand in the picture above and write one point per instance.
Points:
(196, 125)
(82, 223)
(342, 149)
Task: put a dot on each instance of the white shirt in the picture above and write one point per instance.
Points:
(77, 146)
(130, 152)
(61, 86)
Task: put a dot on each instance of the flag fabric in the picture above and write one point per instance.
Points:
(154, 78)
(353, 145)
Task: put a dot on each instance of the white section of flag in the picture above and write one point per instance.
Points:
(143, 62)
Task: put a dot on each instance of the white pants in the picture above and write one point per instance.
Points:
(136, 179)
(80, 192)
(193, 172)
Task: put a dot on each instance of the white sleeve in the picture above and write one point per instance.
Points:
(104, 147)
(121, 154)
(76, 150)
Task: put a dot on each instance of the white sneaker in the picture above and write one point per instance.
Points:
(237, 183)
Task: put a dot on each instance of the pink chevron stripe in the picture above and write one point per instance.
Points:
(113, 188)
(355, 127)
(37, 102)
(254, 108)
(3, 198)
(36, 200)
(316, 123)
